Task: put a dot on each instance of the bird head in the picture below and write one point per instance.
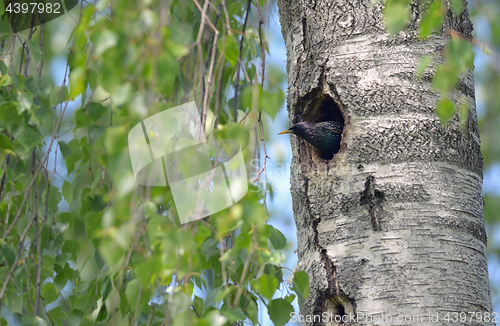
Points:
(299, 129)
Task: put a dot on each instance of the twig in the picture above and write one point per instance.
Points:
(28, 55)
(247, 78)
(38, 247)
(151, 314)
(226, 14)
(209, 80)
(201, 71)
(14, 265)
(262, 73)
(262, 52)
(42, 32)
(137, 304)
(211, 58)
(26, 194)
(236, 86)
(242, 278)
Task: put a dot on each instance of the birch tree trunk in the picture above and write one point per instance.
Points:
(392, 226)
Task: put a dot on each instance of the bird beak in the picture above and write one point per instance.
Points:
(285, 132)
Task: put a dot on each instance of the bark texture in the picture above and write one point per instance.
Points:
(393, 224)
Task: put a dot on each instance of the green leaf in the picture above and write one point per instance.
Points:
(97, 111)
(210, 298)
(92, 223)
(445, 78)
(236, 131)
(25, 102)
(29, 137)
(54, 198)
(5, 80)
(9, 115)
(13, 301)
(57, 315)
(445, 110)
(76, 82)
(30, 320)
(459, 55)
(92, 76)
(267, 285)
(277, 238)
(5, 142)
(279, 311)
(457, 6)
(62, 277)
(231, 49)
(251, 310)
(121, 94)
(301, 285)
(464, 115)
(34, 50)
(233, 314)
(397, 16)
(49, 293)
(115, 140)
(71, 246)
(103, 313)
(41, 87)
(67, 191)
(422, 66)
(9, 253)
(133, 291)
(105, 39)
(72, 153)
(98, 259)
(57, 97)
(431, 19)
(147, 269)
(271, 101)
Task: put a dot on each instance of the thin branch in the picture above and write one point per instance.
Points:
(237, 83)
(42, 32)
(241, 286)
(262, 52)
(28, 54)
(26, 194)
(198, 45)
(14, 265)
(209, 83)
(223, 268)
(262, 73)
(38, 247)
(211, 57)
(226, 14)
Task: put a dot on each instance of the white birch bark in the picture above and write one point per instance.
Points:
(393, 224)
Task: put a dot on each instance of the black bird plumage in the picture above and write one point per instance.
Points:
(325, 136)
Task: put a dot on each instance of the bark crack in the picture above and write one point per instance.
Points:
(304, 33)
(331, 300)
(373, 198)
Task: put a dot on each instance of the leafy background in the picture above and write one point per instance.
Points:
(102, 250)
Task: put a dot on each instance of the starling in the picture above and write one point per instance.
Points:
(325, 136)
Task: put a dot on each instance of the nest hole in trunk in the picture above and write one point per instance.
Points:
(324, 108)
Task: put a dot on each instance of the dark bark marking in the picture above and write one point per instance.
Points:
(373, 198)
(333, 299)
(304, 33)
